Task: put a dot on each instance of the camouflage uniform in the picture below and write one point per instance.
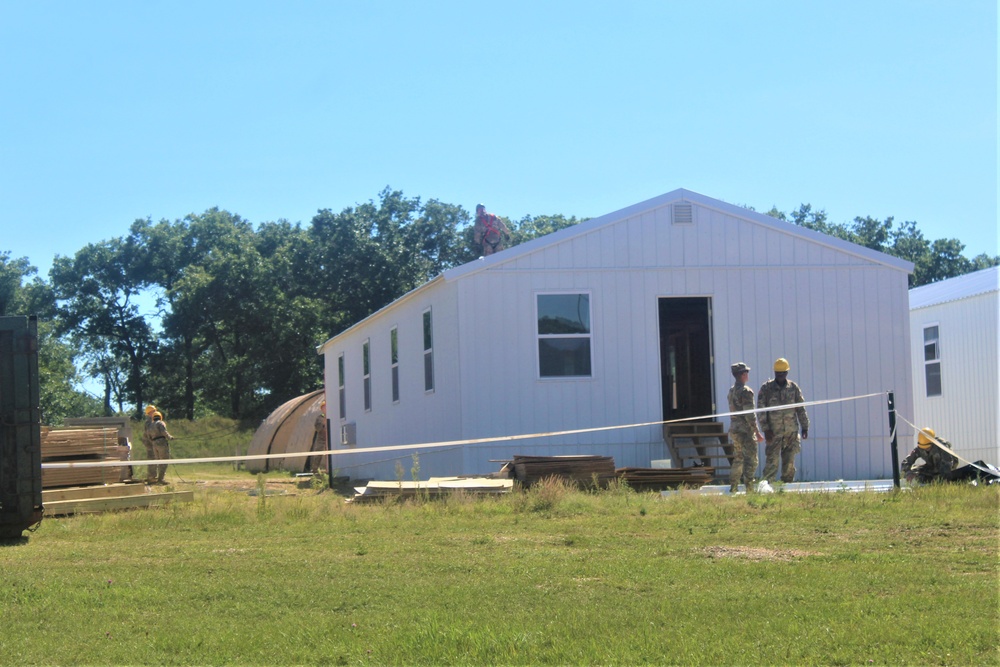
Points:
(161, 447)
(743, 433)
(937, 462)
(784, 425)
(147, 439)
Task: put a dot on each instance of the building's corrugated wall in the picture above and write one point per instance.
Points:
(840, 319)
(419, 416)
(966, 412)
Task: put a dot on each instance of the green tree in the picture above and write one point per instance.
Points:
(98, 291)
(932, 261)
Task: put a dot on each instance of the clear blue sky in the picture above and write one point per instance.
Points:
(113, 111)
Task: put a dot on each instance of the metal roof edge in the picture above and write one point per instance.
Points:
(321, 349)
(965, 286)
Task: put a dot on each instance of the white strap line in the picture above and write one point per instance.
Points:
(430, 445)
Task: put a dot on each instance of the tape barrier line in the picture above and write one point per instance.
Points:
(433, 445)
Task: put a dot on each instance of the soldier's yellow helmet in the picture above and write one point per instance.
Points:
(781, 365)
(150, 409)
(157, 415)
(922, 440)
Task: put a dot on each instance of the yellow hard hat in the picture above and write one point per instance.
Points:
(150, 409)
(157, 415)
(922, 440)
(781, 365)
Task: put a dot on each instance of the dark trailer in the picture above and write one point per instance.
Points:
(20, 427)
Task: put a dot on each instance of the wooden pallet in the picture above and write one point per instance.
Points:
(700, 444)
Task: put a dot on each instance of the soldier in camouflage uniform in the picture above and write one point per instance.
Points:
(161, 446)
(937, 462)
(781, 427)
(743, 430)
(147, 439)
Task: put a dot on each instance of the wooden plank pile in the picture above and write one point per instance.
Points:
(435, 486)
(659, 479)
(61, 502)
(582, 470)
(87, 444)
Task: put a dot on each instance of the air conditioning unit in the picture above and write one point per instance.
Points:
(349, 434)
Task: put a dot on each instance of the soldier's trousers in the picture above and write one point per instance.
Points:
(744, 465)
(161, 451)
(785, 445)
(150, 456)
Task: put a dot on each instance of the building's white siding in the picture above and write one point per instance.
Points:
(419, 416)
(836, 311)
(966, 412)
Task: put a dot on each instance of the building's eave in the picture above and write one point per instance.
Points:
(320, 349)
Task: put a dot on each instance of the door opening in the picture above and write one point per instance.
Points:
(686, 357)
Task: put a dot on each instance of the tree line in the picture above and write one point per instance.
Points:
(211, 315)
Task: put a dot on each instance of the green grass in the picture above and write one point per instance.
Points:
(547, 576)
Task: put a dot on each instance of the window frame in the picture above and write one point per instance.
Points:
(934, 362)
(341, 387)
(427, 331)
(366, 373)
(588, 336)
(394, 362)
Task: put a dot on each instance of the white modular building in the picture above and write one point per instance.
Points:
(956, 365)
(620, 323)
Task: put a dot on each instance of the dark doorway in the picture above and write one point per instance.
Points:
(686, 357)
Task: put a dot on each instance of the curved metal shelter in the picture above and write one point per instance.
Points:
(285, 430)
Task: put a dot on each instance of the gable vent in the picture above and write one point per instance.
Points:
(683, 213)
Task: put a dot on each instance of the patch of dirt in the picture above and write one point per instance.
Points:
(757, 554)
(246, 484)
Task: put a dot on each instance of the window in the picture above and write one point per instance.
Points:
(564, 335)
(932, 361)
(428, 352)
(340, 386)
(394, 362)
(366, 373)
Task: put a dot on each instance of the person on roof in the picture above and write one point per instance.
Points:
(937, 461)
(489, 231)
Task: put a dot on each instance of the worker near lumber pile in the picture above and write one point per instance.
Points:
(938, 462)
(781, 427)
(743, 430)
(147, 441)
(161, 446)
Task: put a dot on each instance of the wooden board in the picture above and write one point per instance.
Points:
(98, 491)
(64, 507)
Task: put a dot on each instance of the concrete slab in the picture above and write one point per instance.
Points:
(851, 486)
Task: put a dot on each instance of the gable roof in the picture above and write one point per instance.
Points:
(568, 233)
(663, 200)
(953, 289)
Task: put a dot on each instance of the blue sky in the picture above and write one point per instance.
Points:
(114, 111)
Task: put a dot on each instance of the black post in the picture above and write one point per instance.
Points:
(892, 432)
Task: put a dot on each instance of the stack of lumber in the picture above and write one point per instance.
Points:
(435, 486)
(582, 470)
(658, 479)
(78, 500)
(91, 444)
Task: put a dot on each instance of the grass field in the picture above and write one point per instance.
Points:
(544, 576)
